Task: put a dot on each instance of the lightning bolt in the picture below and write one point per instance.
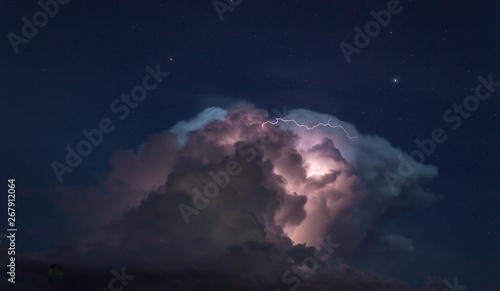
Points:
(312, 127)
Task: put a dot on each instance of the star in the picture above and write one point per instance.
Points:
(395, 80)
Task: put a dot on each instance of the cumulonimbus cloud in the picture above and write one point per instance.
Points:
(295, 185)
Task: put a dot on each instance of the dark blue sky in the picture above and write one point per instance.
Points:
(271, 54)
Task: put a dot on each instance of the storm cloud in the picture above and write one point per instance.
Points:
(276, 193)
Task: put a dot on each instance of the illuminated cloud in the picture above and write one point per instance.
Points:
(295, 186)
(183, 128)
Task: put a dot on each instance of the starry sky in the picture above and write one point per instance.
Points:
(214, 72)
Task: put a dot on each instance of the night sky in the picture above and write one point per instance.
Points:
(338, 146)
